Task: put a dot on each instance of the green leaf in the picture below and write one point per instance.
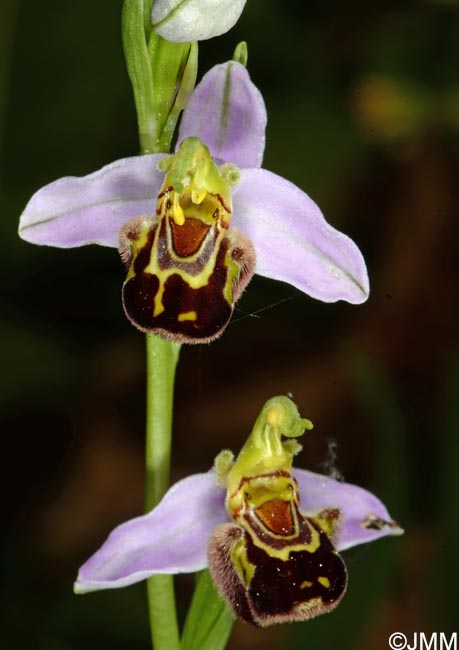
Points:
(209, 621)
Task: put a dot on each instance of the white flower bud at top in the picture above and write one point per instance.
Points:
(194, 20)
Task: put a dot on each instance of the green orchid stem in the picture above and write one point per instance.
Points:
(162, 357)
(155, 67)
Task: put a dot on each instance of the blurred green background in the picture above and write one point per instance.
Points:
(363, 108)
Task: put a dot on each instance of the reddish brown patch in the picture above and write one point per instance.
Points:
(212, 310)
(277, 516)
(188, 238)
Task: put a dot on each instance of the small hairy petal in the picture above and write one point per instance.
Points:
(227, 112)
(293, 241)
(171, 538)
(74, 211)
(194, 20)
(365, 518)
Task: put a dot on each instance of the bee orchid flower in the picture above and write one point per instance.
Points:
(270, 535)
(193, 227)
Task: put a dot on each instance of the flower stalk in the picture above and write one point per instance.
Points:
(142, 48)
(162, 358)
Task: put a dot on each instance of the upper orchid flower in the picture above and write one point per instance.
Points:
(271, 538)
(194, 20)
(192, 229)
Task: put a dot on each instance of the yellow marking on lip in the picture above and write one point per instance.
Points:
(305, 584)
(325, 582)
(244, 568)
(158, 302)
(187, 315)
(280, 553)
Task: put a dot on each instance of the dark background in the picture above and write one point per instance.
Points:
(363, 107)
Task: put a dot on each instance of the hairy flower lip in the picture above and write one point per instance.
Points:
(172, 538)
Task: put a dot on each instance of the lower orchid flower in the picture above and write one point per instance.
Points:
(271, 536)
(193, 228)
